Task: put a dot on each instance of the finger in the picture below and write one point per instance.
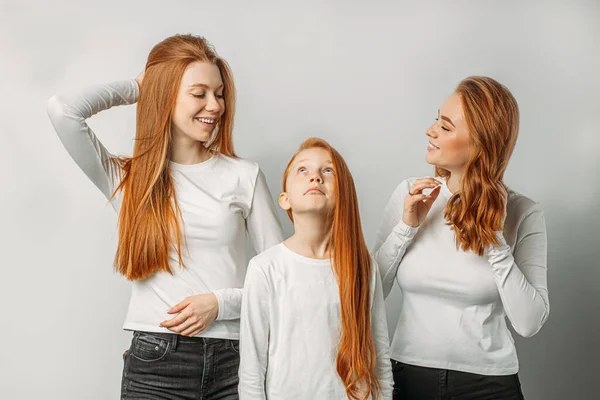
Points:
(427, 180)
(192, 330)
(414, 200)
(185, 325)
(418, 187)
(435, 193)
(175, 321)
(192, 327)
(178, 307)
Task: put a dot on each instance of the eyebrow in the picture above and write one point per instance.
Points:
(306, 159)
(203, 85)
(446, 119)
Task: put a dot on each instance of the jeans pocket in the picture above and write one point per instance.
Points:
(147, 347)
(397, 366)
(235, 345)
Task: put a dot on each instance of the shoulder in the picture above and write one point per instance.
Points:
(520, 205)
(523, 214)
(243, 173)
(239, 165)
(268, 259)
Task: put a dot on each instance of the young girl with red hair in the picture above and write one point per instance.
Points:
(313, 322)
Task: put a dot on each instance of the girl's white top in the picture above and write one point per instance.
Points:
(221, 200)
(291, 326)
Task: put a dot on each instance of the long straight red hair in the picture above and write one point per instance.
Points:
(352, 266)
(476, 211)
(149, 220)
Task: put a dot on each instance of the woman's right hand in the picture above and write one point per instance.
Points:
(140, 78)
(417, 204)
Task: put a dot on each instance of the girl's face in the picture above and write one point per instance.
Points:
(310, 184)
(200, 103)
(449, 136)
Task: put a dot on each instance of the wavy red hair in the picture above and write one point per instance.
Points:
(476, 211)
(352, 266)
(149, 220)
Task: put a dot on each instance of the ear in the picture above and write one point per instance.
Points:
(284, 201)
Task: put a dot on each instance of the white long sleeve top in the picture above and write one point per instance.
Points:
(454, 303)
(290, 329)
(221, 200)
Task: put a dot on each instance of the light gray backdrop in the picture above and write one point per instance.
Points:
(367, 76)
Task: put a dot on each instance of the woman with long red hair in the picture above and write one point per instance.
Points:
(186, 205)
(313, 322)
(466, 252)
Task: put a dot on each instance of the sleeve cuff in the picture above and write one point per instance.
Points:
(405, 230)
(221, 303)
(135, 93)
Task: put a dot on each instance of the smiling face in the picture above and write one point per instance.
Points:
(200, 103)
(449, 136)
(310, 183)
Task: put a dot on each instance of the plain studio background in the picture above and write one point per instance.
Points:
(369, 78)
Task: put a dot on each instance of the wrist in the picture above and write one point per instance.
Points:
(410, 222)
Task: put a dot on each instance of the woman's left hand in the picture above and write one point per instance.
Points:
(196, 313)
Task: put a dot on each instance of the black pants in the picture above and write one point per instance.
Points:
(419, 383)
(172, 367)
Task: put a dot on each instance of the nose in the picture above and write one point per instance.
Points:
(213, 104)
(431, 131)
(316, 178)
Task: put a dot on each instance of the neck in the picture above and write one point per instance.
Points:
(453, 181)
(311, 236)
(188, 151)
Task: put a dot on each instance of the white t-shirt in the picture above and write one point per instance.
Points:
(454, 303)
(291, 325)
(221, 200)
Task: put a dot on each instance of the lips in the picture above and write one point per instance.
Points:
(315, 189)
(206, 120)
(432, 146)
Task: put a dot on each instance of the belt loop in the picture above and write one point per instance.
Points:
(174, 340)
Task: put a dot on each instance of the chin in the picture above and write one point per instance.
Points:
(201, 137)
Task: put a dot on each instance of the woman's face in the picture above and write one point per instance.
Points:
(449, 136)
(310, 184)
(200, 103)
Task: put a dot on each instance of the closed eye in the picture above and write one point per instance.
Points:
(443, 127)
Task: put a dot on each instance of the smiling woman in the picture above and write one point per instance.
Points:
(186, 204)
(200, 105)
(466, 255)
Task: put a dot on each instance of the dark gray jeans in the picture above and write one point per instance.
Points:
(412, 382)
(172, 367)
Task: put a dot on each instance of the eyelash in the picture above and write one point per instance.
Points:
(326, 169)
(443, 127)
(201, 96)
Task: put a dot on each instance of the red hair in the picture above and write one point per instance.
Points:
(352, 266)
(149, 220)
(476, 211)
